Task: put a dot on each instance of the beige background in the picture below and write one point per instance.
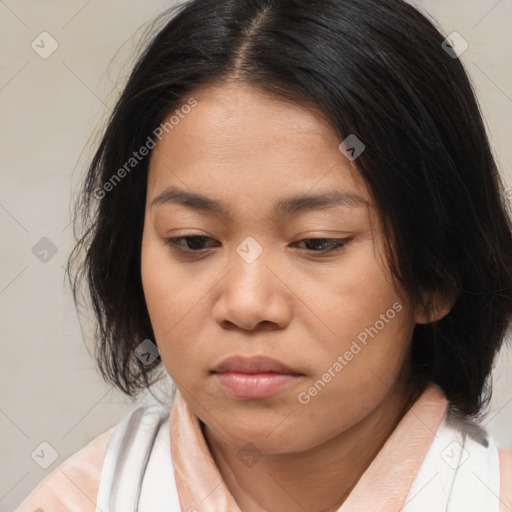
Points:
(50, 389)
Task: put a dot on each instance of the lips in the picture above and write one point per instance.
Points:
(254, 378)
(255, 364)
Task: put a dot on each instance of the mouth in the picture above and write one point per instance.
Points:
(254, 377)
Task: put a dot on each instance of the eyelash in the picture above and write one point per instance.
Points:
(335, 243)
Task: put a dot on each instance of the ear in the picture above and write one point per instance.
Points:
(441, 306)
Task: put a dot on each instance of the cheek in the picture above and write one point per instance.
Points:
(370, 328)
(352, 295)
(162, 296)
(174, 299)
(153, 273)
(167, 288)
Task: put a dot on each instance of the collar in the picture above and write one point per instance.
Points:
(384, 485)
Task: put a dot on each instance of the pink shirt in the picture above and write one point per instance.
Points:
(73, 486)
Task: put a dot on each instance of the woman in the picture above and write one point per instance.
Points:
(297, 202)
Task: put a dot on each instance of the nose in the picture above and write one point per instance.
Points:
(253, 296)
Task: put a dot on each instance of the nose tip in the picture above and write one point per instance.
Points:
(251, 298)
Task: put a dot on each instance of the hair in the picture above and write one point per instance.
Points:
(373, 68)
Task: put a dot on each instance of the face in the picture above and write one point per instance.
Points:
(282, 258)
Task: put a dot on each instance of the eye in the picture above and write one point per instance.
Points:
(194, 243)
(324, 245)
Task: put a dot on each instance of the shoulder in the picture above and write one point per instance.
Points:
(481, 440)
(505, 479)
(73, 485)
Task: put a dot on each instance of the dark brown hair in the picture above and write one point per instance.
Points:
(374, 68)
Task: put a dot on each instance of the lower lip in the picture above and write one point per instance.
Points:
(255, 385)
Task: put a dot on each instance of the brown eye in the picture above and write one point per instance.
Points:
(193, 243)
(324, 245)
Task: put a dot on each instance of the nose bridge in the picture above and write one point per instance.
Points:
(250, 293)
(249, 250)
(250, 276)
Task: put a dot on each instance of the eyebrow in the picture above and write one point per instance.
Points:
(283, 208)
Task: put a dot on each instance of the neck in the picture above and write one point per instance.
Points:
(319, 479)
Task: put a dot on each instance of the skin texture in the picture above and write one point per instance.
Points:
(295, 302)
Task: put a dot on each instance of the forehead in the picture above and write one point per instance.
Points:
(243, 140)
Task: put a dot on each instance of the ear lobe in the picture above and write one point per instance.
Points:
(440, 307)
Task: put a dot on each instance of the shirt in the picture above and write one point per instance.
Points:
(73, 485)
